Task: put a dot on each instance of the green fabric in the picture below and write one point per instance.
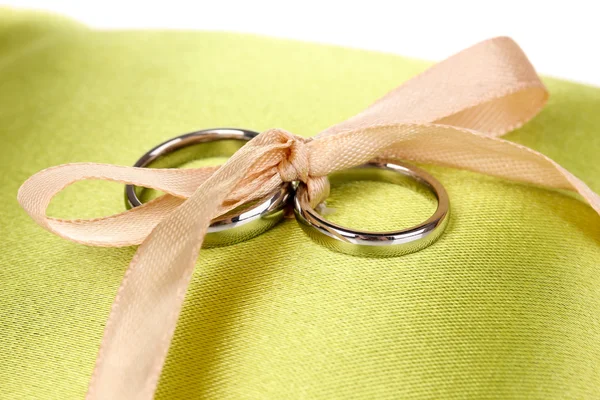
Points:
(505, 306)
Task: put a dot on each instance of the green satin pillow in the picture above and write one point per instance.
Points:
(505, 306)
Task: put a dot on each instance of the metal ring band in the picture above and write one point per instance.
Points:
(238, 225)
(378, 244)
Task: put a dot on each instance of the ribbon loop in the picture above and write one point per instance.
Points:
(490, 87)
(124, 229)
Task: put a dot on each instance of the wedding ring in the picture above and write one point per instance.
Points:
(378, 244)
(237, 225)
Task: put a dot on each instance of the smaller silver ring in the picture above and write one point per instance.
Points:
(238, 225)
(376, 244)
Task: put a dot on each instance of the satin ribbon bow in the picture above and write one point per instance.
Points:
(450, 115)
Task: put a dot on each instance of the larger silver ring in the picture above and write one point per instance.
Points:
(378, 244)
(238, 225)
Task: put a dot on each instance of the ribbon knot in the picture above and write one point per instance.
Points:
(294, 164)
(493, 89)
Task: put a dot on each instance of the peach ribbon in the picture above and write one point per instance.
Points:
(450, 115)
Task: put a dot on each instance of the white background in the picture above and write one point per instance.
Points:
(562, 38)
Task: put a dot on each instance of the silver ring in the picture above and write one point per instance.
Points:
(238, 225)
(378, 244)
